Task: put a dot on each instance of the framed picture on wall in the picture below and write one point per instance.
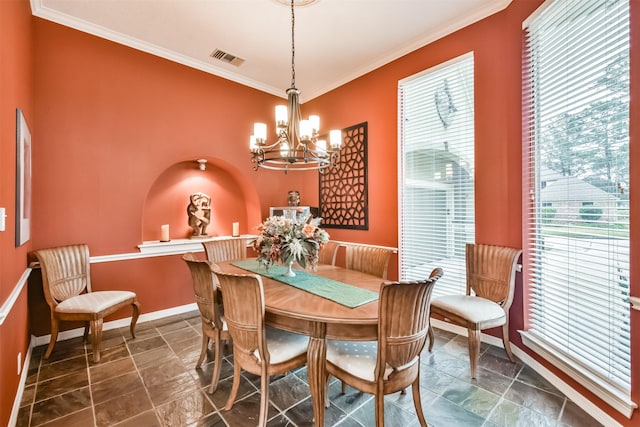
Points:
(23, 179)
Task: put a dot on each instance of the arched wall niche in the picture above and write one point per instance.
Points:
(233, 199)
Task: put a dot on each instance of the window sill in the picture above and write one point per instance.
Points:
(617, 398)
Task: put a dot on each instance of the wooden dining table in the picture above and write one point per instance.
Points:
(296, 310)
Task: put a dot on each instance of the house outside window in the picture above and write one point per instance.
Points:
(436, 173)
(576, 103)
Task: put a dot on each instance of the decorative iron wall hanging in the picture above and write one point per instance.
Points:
(343, 189)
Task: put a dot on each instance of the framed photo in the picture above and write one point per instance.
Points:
(23, 179)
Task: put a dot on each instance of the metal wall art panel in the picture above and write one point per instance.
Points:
(343, 189)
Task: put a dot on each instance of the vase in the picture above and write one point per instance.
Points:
(290, 272)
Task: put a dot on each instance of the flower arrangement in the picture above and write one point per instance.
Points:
(289, 240)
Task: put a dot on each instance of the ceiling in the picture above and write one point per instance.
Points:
(336, 41)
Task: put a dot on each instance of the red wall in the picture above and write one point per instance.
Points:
(116, 133)
(16, 91)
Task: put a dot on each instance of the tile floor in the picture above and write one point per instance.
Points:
(151, 381)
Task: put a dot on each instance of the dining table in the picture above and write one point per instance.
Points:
(338, 303)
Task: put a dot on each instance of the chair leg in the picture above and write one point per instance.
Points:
(264, 397)
(134, 318)
(417, 401)
(217, 361)
(54, 336)
(86, 331)
(326, 389)
(203, 351)
(96, 338)
(379, 398)
(343, 387)
(431, 337)
(474, 350)
(234, 387)
(507, 343)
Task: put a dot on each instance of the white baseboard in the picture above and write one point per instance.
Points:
(589, 407)
(114, 324)
(13, 419)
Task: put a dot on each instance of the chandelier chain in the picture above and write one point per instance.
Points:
(293, 48)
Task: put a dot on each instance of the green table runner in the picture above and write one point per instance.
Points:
(342, 293)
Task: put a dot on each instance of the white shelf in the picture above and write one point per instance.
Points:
(182, 246)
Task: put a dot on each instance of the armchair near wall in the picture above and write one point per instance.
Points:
(66, 282)
(491, 274)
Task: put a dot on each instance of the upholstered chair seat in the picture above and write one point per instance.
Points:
(357, 357)
(94, 303)
(283, 345)
(479, 311)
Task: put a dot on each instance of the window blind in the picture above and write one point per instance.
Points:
(576, 100)
(436, 161)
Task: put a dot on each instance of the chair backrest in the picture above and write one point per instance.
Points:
(403, 311)
(225, 249)
(368, 259)
(65, 272)
(243, 299)
(205, 290)
(328, 253)
(491, 272)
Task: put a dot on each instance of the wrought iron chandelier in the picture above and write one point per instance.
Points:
(298, 146)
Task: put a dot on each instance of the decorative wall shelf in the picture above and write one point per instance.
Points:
(182, 246)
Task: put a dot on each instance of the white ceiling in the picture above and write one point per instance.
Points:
(336, 41)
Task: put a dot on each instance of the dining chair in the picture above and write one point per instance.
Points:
(214, 327)
(327, 254)
(491, 275)
(66, 282)
(220, 250)
(257, 349)
(391, 363)
(368, 259)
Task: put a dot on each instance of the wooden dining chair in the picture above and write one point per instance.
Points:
(220, 250)
(368, 259)
(66, 281)
(491, 275)
(257, 349)
(392, 363)
(214, 327)
(327, 254)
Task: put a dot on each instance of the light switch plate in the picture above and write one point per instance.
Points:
(3, 220)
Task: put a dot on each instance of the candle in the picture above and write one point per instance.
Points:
(236, 229)
(164, 233)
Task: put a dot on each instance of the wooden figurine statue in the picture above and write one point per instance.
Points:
(199, 211)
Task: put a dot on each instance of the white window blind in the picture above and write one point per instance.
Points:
(436, 167)
(576, 67)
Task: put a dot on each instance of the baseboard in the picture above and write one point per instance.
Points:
(78, 332)
(589, 407)
(13, 419)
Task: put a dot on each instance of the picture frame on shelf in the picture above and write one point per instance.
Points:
(23, 179)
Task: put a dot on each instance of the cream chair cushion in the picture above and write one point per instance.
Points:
(356, 357)
(473, 308)
(93, 302)
(283, 345)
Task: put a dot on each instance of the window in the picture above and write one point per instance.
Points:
(436, 173)
(576, 90)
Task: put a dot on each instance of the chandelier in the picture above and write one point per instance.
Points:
(298, 146)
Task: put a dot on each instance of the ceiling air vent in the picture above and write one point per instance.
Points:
(226, 57)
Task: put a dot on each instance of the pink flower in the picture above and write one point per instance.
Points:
(308, 230)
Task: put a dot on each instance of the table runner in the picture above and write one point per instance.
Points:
(342, 293)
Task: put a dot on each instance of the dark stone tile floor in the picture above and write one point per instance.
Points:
(151, 381)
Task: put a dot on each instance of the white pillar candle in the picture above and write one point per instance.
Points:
(164, 233)
(236, 229)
